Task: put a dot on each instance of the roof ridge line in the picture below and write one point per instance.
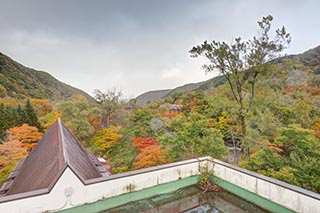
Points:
(62, 138)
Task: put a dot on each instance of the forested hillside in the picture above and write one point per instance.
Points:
(147, 97)
(308, 58)
(151, 96)
(282, 138)
(18, 81)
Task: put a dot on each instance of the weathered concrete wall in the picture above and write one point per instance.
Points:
(286, 195)
(70, 191)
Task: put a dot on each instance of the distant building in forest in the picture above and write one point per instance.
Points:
(175, 108)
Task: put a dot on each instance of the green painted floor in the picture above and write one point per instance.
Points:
(154, 199)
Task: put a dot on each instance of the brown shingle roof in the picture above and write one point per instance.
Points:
(54, 152)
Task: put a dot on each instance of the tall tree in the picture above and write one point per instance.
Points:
(22, 115)
(193, 137)
(242, 61)
(9, 117)
(74, 113)
(31, 116)
(109, 102)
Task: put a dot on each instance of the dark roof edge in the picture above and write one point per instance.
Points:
(270, 180)
(23, 195)
(41, 191)
(57, 177)
(35, 192)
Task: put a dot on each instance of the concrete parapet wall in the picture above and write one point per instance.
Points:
(286, 195)
(69, 191)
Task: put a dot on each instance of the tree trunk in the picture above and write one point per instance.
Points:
(244, 132)
(108, 121)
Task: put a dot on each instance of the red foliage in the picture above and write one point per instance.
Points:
(143, 142)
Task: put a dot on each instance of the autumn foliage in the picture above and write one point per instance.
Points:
(151, 156)
(143, 142)
(10, 153)
(50, 119)
(42, 106)
(104, 140)
(150, 153)
(27, 135)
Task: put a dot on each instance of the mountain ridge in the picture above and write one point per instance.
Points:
(19, 81)
(308, 58)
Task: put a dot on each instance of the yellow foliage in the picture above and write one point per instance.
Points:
(106, 139)
(316, 127)
(48, 120)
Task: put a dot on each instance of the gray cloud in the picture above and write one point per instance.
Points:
(137, 45)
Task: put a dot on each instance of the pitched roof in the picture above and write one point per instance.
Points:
(54, 152)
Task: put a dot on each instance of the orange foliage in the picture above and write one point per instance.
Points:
(314, 91)
(170, 115)
(79, 98)
(141, 143)
(276, 147)
(194, 103)
(10, 153)
(153, 155)
(42, 106)
(179, 101)
(316, 127)
(288, 90)
(95, 122)
(27, 135)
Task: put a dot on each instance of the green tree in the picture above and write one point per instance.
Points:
(22, 115)
(3, 124)
(293, 157)
(109, 103)
(122, 156)
(242, 61)
(193, 137)
(8, 118)
(3, 91)
(140, 124)
(31, 116)
(303, 149)
(74, 113)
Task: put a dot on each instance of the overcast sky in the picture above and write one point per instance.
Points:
(139, 45)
